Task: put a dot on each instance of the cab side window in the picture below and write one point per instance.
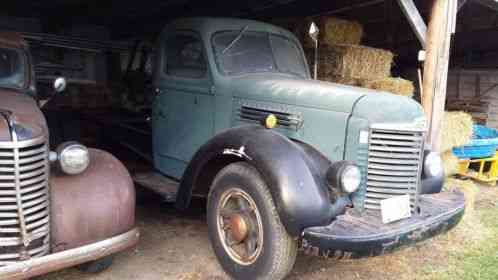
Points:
(184, 57)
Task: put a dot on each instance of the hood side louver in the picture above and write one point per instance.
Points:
(257, 115)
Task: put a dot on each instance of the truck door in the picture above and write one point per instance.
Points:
(183, 109)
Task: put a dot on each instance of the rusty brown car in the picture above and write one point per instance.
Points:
(72, 206)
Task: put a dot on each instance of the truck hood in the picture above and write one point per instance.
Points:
(389, 108)
(29, 120)
(292, 91)
(372, 105)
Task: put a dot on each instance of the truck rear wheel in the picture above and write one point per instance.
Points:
(246, 233)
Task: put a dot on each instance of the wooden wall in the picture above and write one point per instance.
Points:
(474, 91)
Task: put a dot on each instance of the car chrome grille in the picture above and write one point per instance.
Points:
(394, 166)
(24, 200)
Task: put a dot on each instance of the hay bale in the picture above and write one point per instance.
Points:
(357, 62)
(340, 80)
(456, 129)
(333, 31)
(339, 31)
(450, 163)
(323, 75)
(468, 187)
(396, 86)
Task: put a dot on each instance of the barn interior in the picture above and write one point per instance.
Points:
(106, 51)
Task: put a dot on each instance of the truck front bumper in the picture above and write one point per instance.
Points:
(53, 262)
(361, 235)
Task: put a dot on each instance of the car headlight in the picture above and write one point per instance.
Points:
(344, 175)
(74, 158)
(433, 165)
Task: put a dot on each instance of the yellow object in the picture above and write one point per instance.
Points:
(271, 121)
(488, 169)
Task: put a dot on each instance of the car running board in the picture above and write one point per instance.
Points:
(160, 184)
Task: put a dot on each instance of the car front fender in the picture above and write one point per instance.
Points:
(92, 206)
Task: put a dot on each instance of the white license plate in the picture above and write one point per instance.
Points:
(395, 208)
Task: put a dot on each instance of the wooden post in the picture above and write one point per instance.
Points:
(436, 67)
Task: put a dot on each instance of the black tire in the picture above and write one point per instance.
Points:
(97, 266)
(279, 250)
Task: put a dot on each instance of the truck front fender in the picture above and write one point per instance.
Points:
(92, 206)
(297, 187)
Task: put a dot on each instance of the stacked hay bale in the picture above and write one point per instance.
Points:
(457, 128)
(394, 85)
(450, 163)
(354, 61)
(343, 60)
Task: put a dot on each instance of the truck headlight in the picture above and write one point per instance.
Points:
(433, 165)
(74, 158)
(345, 175)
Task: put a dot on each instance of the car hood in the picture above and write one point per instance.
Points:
(293, 91)
(29, 120)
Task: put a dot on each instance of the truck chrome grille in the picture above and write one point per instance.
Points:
(394, 166)
(24, 200)
(284, 119)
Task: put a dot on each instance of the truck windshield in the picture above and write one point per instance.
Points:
(256, 52)
(11, 68)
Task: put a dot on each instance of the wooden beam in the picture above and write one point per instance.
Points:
(415, 19)
(461, 3)
(349, 8)
(436, 67)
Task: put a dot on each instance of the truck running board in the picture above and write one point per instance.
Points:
(158, 183)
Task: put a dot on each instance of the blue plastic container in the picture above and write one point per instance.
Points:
(483, 144)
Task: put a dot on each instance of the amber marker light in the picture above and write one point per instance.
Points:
(270, 121)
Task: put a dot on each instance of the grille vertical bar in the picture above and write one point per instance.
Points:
(394, 166)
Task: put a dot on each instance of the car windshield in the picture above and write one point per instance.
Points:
(240, 52)
(11, 68)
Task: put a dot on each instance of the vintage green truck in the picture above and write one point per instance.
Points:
(287, 162)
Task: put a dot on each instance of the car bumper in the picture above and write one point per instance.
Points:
(71, 257)
(360, 235)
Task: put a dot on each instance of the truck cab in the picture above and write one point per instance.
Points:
(71, 206)
(283, 160)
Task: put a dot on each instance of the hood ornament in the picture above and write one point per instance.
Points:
(313, 33)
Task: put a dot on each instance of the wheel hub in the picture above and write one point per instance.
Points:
(238, 227)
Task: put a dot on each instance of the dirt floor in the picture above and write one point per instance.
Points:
(176, 246)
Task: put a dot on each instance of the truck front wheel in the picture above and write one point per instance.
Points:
(246, 233)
